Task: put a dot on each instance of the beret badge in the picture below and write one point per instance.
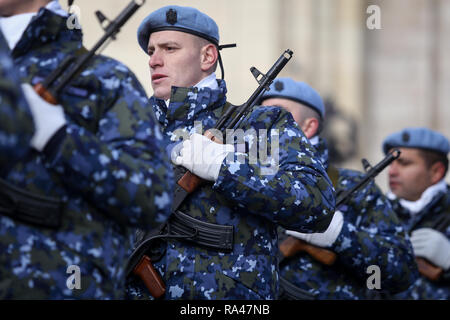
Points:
(279, 86)
(405, 137)
(171, 16)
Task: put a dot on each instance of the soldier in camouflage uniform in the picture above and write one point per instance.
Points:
(96, 159)
(421, 198)
(17, 126)
(182, 44)
(364, 231)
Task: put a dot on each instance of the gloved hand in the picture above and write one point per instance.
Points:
(325, 239)
(48, 118)
(432, 245)
(201, 156)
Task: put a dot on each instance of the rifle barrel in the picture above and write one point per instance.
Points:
(373, 172)
(112, 29)
(264, 85)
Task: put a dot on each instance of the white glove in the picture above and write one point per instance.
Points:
(432, 245)
(201, 156)
(325, 239)
(48, 118)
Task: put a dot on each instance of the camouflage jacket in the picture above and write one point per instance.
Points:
(16, 125)
(298, 193)
(371, 235)
(435, 215)
(107, 166)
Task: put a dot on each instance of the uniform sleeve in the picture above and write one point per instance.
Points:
(294, 191)
(16, 122)
(123, 168)
(376, 238)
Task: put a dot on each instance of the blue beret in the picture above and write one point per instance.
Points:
(421, 138)
(287, 88)
(184, 19)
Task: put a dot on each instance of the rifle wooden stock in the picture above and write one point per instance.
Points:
(292, 246)
(189, 181)
(44, 93)
(428, 270)
(151, 278)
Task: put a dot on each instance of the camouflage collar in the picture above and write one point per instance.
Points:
(47, 27)
(440, 202)
(188, 104)
(322, 152)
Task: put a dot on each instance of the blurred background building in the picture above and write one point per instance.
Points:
(380, 65)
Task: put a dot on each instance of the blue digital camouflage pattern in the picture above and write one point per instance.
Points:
(109, 169)
(299, 195)
(371, 235)
(431, 216)
(16, 125)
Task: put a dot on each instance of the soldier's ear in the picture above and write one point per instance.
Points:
(310, 127)
(208, 57)
(437, 172)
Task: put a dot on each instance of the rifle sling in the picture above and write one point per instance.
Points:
(289, 291)
(24, 206)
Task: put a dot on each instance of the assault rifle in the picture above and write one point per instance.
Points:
(71, 66)
(292, 245)
(189, 182)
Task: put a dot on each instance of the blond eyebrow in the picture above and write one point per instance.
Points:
(164, 44)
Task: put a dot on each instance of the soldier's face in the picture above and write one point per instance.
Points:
(13, 7)
(175, 60)
(409, 175)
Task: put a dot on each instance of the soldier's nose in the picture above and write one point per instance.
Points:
(155, 61)
(392, 170)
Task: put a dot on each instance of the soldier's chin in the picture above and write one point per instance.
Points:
(161, 93)
(395, 189)
(400, 194)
